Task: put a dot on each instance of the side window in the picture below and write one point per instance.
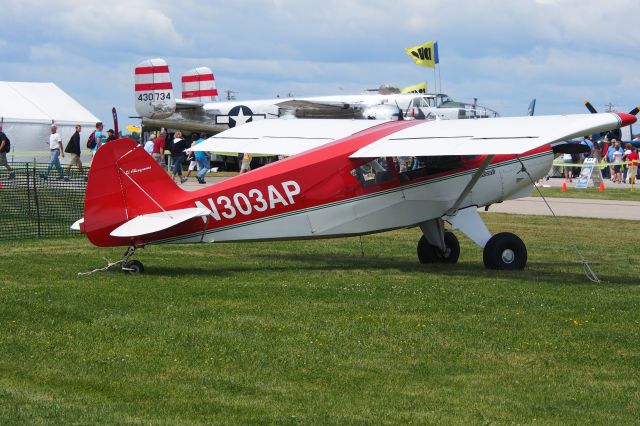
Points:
(375, 172)
(419, 167)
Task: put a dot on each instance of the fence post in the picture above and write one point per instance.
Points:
(29, 212)
(35, 196)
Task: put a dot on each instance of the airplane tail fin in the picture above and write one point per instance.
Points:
(124, 182)
(199, 85)
(154, 96)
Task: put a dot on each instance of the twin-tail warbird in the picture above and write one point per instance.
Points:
(199, 107)
(341, 178)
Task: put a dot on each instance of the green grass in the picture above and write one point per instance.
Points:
(590, 193)
(310, 332)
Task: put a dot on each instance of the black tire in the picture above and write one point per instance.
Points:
(505, 251)
(134, 267)
(431, 254)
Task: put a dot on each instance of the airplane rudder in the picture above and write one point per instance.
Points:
(199, 85)
(124, 182)
(154, 97)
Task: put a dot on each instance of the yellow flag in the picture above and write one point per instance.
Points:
(416, 88)
(425, 54)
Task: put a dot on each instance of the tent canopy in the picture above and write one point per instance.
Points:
(22, 102)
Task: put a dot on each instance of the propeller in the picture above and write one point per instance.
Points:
(590, 107)
(592, 110)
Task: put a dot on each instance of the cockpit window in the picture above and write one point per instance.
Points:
(387, 169)
(375, 172)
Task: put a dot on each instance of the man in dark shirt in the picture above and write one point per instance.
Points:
(73, 148)
(4, 149)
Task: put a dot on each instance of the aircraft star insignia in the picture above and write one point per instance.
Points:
(240, 115)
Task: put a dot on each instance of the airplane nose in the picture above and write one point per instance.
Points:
(627, 119)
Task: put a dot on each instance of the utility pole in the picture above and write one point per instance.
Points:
(230, 95)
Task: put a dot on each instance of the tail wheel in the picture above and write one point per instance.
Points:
(432, 254)
(133, 267)
(505, 251)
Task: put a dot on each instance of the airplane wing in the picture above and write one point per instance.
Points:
(322, 109)
(282, 137)
(154, 222)
(489, 136)
(303, 103)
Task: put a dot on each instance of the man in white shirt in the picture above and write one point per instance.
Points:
(56, 148)
(149, 146)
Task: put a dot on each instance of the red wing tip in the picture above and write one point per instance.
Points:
(627, 119)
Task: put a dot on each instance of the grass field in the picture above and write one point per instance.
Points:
(311, 332)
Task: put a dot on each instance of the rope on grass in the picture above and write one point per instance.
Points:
(110, 264)
(585, 264)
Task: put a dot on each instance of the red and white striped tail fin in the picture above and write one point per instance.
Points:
(199, 85)
(154, 96)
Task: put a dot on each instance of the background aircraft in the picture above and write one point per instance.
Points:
(199, 109)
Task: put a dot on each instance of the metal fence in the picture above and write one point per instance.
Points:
(34, 205)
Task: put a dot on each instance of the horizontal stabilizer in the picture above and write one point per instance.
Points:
(282, 137)
(77, 225)
(154, 222)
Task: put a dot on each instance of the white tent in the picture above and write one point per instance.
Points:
(27, 111)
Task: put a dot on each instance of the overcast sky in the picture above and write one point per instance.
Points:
(502, 52)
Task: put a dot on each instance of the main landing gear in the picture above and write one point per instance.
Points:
(501, 251)
(428, 253)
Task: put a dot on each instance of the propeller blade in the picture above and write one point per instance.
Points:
(590, 107)
(635, 110)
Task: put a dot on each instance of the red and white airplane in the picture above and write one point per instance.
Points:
(341, 179)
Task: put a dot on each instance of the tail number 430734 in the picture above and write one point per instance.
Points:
(154, 96)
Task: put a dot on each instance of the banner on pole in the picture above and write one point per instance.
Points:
(416, 88)
(425, 55)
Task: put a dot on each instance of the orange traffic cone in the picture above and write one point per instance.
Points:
(601, 189)
(564, 186)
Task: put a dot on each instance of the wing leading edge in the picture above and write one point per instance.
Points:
(490, 136)
(282, 137)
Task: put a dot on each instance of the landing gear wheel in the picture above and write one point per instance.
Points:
(431, 254)
(133, 267)
(505, 251)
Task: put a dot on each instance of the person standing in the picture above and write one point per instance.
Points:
(56, 148)
(158, 147)
(245, 166)
(73, 149)
(4, 149)
(616, 158)
(111, 136)
(202, 158)
(191, 158)
(95, 139)
(178, 156)
(568, 160)
(148, 146)
(632, 158)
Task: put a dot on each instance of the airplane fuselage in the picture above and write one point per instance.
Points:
(324, 193)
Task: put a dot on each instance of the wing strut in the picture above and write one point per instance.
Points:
(452, 211)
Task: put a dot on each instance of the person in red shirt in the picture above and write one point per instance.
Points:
(633, 166)
(158, 147)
